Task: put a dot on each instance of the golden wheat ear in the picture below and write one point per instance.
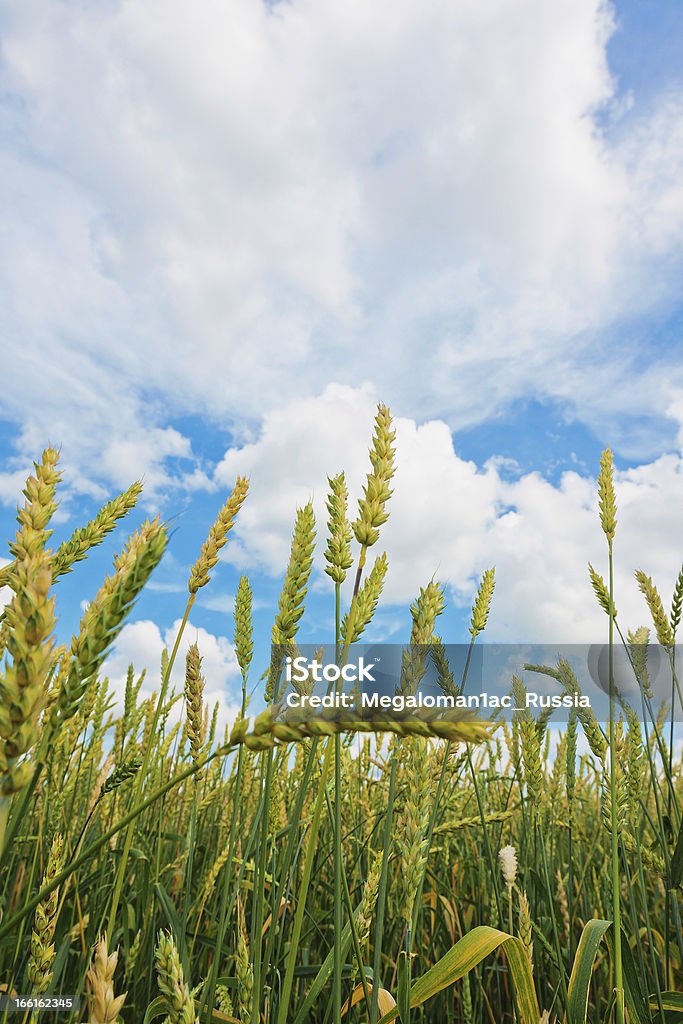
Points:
(104, 1006)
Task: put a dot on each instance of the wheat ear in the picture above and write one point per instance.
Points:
(103, 1006)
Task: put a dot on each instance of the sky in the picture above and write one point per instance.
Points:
(229, 231)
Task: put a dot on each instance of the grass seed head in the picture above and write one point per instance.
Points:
(620, 785)
(291, 603)
(210, 732)
(594, 734)
(105, 615)
(482, 603)
(660, 620)
(677, 603)
(372, 511)
(525, 928)
(273, 728)
(293, 593)
(638, 641)
(39, 507)
(444, 674)
(86, 537)
(338, 552)
(600, 590)
(367, 600)
(218, 535)
(530, 738)
(369, 900)
(28, 624)
(507, 858)
(121, 774)
(244, 629)
(224, 1000)
(194, 701)
(175, 992)
(104, 1007)
(414, 822)
(243, 968)
(424, 611)
(607, 502)
(42, 955)
(635, 767)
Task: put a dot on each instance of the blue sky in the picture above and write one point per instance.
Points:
(228, 235)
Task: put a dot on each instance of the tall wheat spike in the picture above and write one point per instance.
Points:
(30, 620)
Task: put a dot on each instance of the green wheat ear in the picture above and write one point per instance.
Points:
(482, 603)
(82, 540)
(194, 702)
(104, 617)
(638, 641)
(244, 628)
(531, 746)
(338, 552)
(121, 774)
(376, 493)
(366, 602)
(607, 502)
(677, 603)
(42, 957)
(27, 627)
(175, 992)
(272, 728)
(291, 603)
(218, 535)
(293, 593)
(600, 590)
(425, 610)
(660, 620)
(244, 968)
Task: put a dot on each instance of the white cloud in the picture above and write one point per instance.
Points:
(5, 592)
(141, 644)
(288, 465)
(206, 210)
(451, 519)
(12, 484)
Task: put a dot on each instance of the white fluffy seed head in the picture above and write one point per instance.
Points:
(508, 864)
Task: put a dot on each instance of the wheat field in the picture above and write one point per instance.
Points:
(156, 867)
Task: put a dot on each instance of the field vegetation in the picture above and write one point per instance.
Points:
(421, 868)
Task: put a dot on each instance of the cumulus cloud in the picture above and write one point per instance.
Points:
(206, 210)
(451, 518)
(141, 644)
